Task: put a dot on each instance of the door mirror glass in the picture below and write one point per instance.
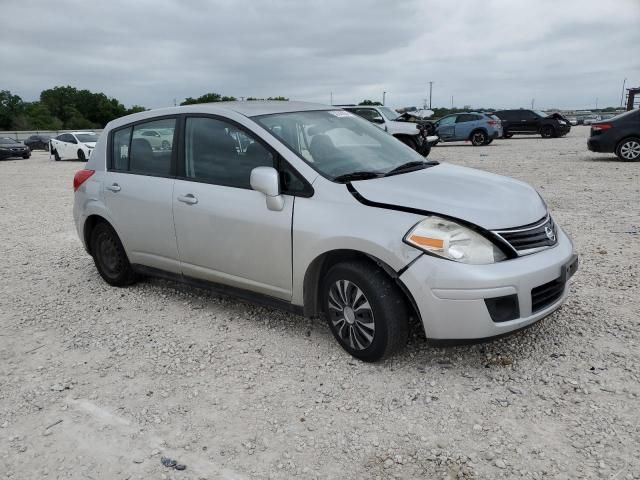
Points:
(266, 180)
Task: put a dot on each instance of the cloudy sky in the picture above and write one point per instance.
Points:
(491, 53)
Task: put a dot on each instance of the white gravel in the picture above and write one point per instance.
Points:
(237, 391)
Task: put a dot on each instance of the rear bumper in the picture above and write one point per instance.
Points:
(600, 144)
(451, 297)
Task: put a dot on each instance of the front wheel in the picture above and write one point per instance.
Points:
(548, 131)
(365, 310)
(479, 138)
(81, 156)
(109, 256)
(488, 142)
(629, 150)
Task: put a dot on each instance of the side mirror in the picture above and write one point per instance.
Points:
(379, 120)
(266, 180)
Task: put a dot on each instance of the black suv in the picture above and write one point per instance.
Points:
(620, 134)
(532, 122)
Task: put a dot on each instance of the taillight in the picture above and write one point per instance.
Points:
(491, 122)
(80, 177)
(601, 126)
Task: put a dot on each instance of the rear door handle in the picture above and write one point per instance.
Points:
(189, 199)
(114, 187)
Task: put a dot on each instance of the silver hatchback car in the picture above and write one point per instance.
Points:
(313, 209)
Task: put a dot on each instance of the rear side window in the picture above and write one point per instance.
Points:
(222, 153)
(466, 117)
(134, 150)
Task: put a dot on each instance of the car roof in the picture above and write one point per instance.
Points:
(83, 133)
(249, 108)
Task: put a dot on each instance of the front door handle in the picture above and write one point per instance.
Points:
(114, 187)
(189, 199)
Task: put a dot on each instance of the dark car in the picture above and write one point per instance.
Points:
(12, 148)
(532, 122)
(620, 134)
(35, 142)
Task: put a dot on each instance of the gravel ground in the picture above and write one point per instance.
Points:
(98, 382)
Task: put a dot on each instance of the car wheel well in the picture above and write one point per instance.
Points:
(321, 265)
(90, 223)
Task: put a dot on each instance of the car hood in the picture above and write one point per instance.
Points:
(484, 199)
(12, 145)
(90, 144)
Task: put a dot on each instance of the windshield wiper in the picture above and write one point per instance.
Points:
(411, 166)
(359, 175)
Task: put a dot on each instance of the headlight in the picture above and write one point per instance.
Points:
(453, 241)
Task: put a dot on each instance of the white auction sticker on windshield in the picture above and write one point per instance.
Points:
(340, 113)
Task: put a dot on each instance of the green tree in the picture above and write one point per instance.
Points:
(369, 102)
(11, 106)
(135, 109)
(280, 99)
(207, 98)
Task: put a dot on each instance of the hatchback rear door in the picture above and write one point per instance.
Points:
(138, 194)
(226, 234)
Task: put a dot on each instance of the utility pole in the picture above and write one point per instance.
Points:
(622, 94)
(451, 102)
(596, 103)
(331, 98)
(533, 101)
(384, 96)
(430, 92)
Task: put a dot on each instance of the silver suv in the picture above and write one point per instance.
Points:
(316, 210)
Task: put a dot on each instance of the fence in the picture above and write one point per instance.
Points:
(22, 135)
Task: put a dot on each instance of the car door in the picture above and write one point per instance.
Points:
(446, 127)
(67, 144)
(464, 125)
(138, 190)
(226, 234)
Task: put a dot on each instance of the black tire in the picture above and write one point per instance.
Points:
(488, 142)
(507, 134)
(409, 142)
(387, 310)
(109, 256)
(56, 156)
(547, 131)
(628, 150)
(478, 138)
(26, 156)
(81, 156)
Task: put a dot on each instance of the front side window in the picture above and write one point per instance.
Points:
(389, 113)
(336, 142)
(370, 114)
(132, 151)
(447, 121)
(221, 153)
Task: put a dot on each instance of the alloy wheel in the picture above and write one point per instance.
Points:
(630, 150)
(351, 314)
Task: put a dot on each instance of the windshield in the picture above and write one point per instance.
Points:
(389, 113)
(87, 137)
(540, 113)
(337, 142)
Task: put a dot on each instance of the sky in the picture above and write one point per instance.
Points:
(483, 53)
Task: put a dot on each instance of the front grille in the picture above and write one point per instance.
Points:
(531, 238)
(546, 294)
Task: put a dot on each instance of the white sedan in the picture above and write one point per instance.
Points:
(73, 145)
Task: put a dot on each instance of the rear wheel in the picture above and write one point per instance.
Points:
(109, 256)
(478, 138)
(488, 142)
(628, 150)
(365, 310)
(548, 131)
(81, 156)
(26, 155)
(507, 134)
